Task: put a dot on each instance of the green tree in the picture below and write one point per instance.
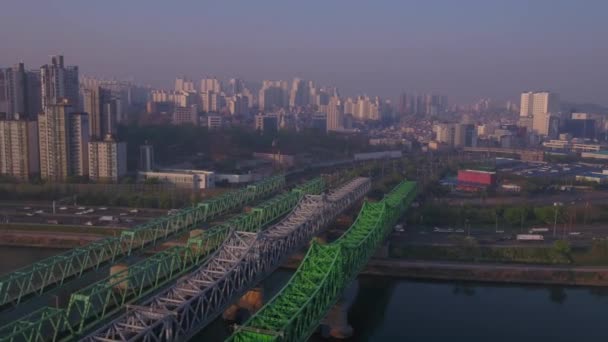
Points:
(562, 250)
(545, 214)
(514, 215)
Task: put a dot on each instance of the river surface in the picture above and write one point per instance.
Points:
(387, 309)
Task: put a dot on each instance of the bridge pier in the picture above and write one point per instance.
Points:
(246, 306)
(383, 250)
(335, 324)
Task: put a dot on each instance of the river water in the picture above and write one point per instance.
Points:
(387, 309)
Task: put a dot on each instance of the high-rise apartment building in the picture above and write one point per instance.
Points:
(212, 101)
(63, 142)
(237, 86)
(19, 92)
(273, 95)
(335, 114)
(456, 134)
(78, 143)
(184, 84)
(13, 90)
(103, 109)
(107, 159)
(59, 83)
(211, 84)
(300, 93)
(18, 148)
(238, 104)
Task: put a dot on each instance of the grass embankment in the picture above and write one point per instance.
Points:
(62, 228)
(560, 253)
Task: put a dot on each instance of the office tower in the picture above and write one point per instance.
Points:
(273, 95)
(299, 96)
(107, 159)
(18, 148)
(146, 158)
(335, 114)
(185, 115)
(533, 103)
(237, 86)
(184, 84)
(543, 107)
(63, 142)
(580, 125)
(59, 82)
(465, 135)
(211, 84)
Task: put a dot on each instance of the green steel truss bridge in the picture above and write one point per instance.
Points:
(37, 278)
(101, 300)
(244, 258)
(296, 311)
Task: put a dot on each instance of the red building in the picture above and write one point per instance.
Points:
(475, 180)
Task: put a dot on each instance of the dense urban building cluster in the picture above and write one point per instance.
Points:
(57, 125)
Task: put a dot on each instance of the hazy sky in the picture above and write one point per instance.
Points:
(464, 48)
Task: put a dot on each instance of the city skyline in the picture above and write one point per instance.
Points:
(467, 51)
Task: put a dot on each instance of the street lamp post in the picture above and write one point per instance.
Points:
(555, 205)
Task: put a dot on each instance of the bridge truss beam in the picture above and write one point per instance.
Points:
(243, 260)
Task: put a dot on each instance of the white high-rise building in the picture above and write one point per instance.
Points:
(335, 114)
(63, 142)
(18, 148)
(184, 84)
(538, 102)
(543, 107)
(146, 158)
(211, 84)
(107, 159)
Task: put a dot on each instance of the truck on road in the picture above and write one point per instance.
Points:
(530, 237)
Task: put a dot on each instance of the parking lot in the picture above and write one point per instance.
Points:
(545, 170)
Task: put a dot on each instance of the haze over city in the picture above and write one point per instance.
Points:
(467, 49)
(247, 171)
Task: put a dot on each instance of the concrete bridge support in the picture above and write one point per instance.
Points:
(246, 306)
(335, 324)
(383, 250)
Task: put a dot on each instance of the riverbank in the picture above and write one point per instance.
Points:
(57, 240)
(482, 272)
